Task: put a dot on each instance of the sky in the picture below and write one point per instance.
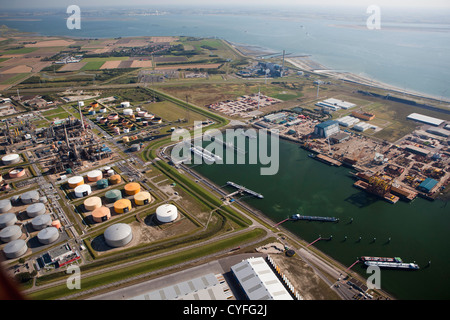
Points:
(15, 4)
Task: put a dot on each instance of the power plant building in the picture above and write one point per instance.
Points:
(118, 235)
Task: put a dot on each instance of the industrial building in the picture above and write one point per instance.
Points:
(367, 116)
(347, 121)
(118, 235)
(258, 281)
(417, 150)
(439, 132)
(206, 287)
(326, 128)
(335, 104)
(166, 213)
(427, 185)
(425, 119)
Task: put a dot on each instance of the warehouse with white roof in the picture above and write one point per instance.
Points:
(425, 119)
(258, 280)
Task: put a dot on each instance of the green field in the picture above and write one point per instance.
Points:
(19, 51)
(171, 112)
(93, 65)
(15, 78)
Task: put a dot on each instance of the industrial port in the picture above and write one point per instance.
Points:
(87, 179)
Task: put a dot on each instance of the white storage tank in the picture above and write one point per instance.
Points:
(7, 219)
(15, 249)
(10, 159)
(95, 175)
(30, 197)
(118, 235)
(36, 209)
(81, 103)
(48, 235)
(75, 181)
(83, 191)
(125, 104)
(127, 112)
(10, 233)
(5, 205)
(41, 222)
(166, 213)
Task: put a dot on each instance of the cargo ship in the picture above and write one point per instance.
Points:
(314, 218)
(392, 265)
(381, 259)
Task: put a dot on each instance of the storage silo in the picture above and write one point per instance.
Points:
(102, 183)
(15, 249)
(48, 235)
(125, 104)
(10, 159)
(132, 188)
(113, 195)
(10, 233)
(30, 197)
(56, 224)
(41, 222)
(5, 205)
(115, 179)
(83, 191)
(17, 172)
(75, 181)
(135, 147)
(92, 203)
(127, 112)
(36, 209)
(7, 219)
(101, 214)
(166, 213)
(122, 206)
(94, 175)
(118, 235)
(142, 198)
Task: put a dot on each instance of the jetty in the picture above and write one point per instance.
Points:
(243, 189)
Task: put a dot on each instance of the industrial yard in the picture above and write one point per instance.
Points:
(86, 179)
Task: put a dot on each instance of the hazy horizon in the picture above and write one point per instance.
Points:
(32, 4)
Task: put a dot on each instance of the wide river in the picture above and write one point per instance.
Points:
(418, 231)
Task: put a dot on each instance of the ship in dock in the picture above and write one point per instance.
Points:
(381, 259)
(326, 159)
(314, 218)
(392, 265)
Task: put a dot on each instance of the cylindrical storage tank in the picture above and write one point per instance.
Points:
(135, 147)
(102, 183)
(10, 233)
(116, 130)
(132, 188)
(142, 198)
(125, 104)
(113, 117)
(118, 235)
(30, 197)
(43, 199)
(95, 175)
(149, 116)
(7, 219)
(122, 206)
(166, 213)
(113, 195)
(83, 191)
(41, 222)
(156, 120)
(15, 249)
(144, 123)
(126, 139)
(142, 113)
(110, 172)
(127, 112)
(5, 205)
(10, 159)
(81, 103)
(15, 200)
(48, 235)
(56, 224)
(17, 172)
(102, 110)
(75, 181)
(101, 214)
(36, 209)
(115, 179)
(92, 203)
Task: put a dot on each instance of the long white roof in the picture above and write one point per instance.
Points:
(259, 281)
(425, 119)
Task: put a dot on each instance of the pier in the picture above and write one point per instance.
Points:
(314, 218)
(226, 144)
(243, 189)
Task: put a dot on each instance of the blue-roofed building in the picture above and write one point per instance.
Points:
(427, 185)
(327, 128)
